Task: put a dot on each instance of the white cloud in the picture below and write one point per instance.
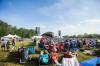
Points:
(73, 17)
(70, 16)
(90, 26)
(92, 21)
(86, 26)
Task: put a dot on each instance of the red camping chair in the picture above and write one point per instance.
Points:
(61, 47)
(51, 47)
(57, 46)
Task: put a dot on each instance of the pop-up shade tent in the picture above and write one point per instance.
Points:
(37, 37)
(17, 36)
(9, 36)
(91, 62)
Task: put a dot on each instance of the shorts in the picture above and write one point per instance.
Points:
(2, 46)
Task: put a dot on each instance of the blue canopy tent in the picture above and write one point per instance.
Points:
(91, 62)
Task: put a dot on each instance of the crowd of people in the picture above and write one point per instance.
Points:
(51, 51)
(67, 49)
(5, 44)
(69, 44)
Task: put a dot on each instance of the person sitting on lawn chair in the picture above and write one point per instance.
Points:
(55, 57)
(23, 54)
(42, 45)
(69, 59)
(61, 47)
(44, 57)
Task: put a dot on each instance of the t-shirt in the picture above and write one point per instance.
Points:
(44, 58)
(14, 41)
(55, 56)
(4, 43)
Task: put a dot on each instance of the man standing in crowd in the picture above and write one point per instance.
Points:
(4, 44)
(13, 43)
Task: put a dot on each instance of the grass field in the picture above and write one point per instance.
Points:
(7, 59)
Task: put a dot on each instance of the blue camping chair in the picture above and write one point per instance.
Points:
(26, 54)
(42, 46)
(44, 59)
(23, 54)
(73, 45)
(31, 50)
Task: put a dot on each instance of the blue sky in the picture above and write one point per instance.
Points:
(70, 16)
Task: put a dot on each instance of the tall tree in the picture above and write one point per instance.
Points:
(6, 29)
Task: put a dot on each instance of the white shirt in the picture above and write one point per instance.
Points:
(4, 42)
(70, 62)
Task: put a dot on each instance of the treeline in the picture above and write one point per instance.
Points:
(85, 35)
(6, 29)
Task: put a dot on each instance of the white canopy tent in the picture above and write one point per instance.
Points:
(16, 36)
(36, 37)
(9, 36)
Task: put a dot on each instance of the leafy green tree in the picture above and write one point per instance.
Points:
(6, 29)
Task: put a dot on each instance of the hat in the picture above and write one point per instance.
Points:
(68, 54)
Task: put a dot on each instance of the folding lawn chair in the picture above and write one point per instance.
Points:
(31, 50)
(44, 59)
(24, 55)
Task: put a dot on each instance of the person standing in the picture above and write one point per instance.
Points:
(4, 44)
(7, 46)
(13, 43)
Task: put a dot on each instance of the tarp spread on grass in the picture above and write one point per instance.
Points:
(91, 62)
